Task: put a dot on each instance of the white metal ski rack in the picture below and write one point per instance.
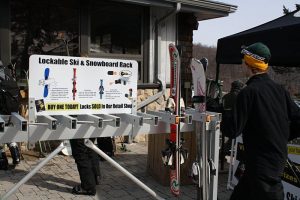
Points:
(14, 132)
(19, 122)
(169, 118)
(94, 120)
(111, 120)
(66, 121)
(149, 119)
(65, 127)
(135, 120)
(48, 121)
(208, 125)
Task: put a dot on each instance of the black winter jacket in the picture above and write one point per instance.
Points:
(263, 112)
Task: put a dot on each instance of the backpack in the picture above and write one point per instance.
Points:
(3, 160)
(9, 97)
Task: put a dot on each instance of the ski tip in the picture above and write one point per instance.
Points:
(174, 183)
(46, 73)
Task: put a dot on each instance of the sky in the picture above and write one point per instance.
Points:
(250, 13)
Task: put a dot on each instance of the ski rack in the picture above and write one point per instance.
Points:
(65, 127)
(84, 126)
(169, 118)
(208, 125)
(13, 126)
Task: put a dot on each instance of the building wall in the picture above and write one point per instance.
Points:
(167, 35)
(185, 40)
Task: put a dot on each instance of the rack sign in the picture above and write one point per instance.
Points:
(81, 85)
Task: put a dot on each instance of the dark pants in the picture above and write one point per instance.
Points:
(87, 163)
(252, 187)
(106, 144)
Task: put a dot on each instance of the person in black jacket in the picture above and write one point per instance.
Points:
(262, 114)
(228, 102)
(229, 99)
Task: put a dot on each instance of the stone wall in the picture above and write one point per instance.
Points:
(187, 23)
(158, 104)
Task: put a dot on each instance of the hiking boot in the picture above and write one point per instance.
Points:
(3, 160)
(79, 190)
(15, 154)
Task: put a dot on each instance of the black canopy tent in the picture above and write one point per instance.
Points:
(281, 35)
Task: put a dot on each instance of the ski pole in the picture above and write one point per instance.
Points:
(33, 172)
(92, 146)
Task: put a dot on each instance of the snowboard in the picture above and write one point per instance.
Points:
(199, 83)
(198, 68)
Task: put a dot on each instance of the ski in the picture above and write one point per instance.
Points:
(46, 86)
(101, 88)
(198, 68)
(74, 90)
(174, 139)
(199, 173)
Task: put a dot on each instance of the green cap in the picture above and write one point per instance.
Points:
(258, 51)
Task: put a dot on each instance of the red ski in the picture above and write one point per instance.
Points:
(74, 90)
(175, 128)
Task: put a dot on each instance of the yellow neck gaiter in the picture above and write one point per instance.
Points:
(252, 62)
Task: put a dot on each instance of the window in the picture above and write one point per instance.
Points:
(117, 32)
(105, 29)
(37, 27)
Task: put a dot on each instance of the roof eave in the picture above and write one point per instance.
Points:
(202, 9)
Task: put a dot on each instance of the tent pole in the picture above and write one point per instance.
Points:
(217, 72)
(222, 155)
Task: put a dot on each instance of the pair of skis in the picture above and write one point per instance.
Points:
(174, 155)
